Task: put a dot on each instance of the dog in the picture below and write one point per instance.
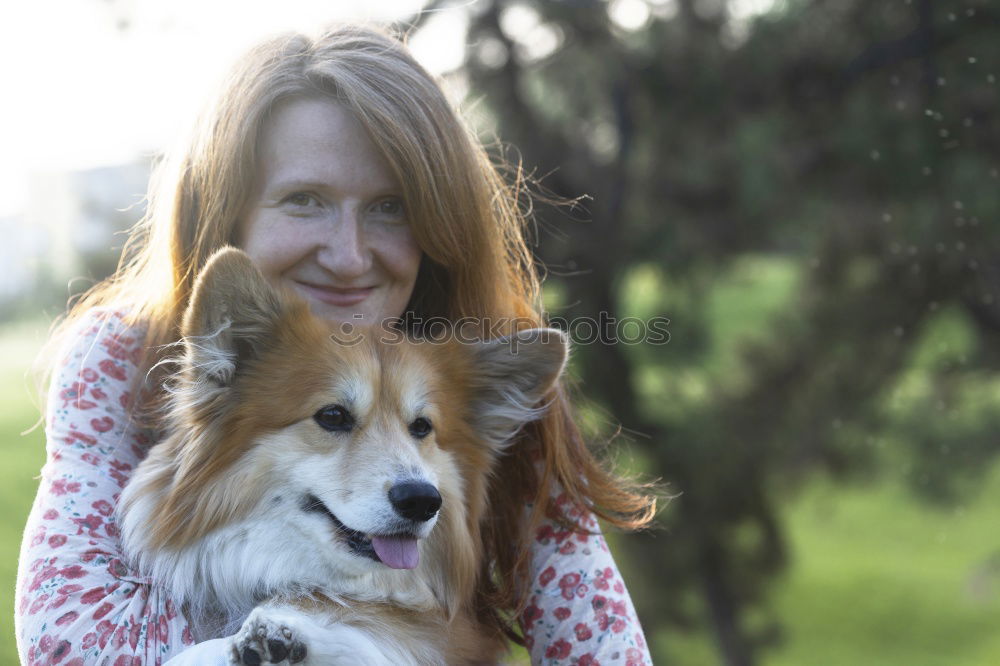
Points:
(319, 496)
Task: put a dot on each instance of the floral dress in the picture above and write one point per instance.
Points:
(80, 602)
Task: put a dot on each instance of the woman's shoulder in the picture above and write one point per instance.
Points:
(111, 329)
(101, 319)
(104, 339)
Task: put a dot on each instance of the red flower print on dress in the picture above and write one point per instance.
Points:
(103, 424)
(634, 657)
(559, 650)
(104, 631)
(91, 555)
(88, 523)
(582, 631)
(531, 615)
(546, 576)
(59, 651)
(66, 618)
(121, 466)
(94, 595)
(89, 375)
(72, 572)
(618, 607)
(75, 436)
(57, 602)
(119, 638)
(544, 533)
(568, 585)
(73, 392)
(116, 472)
(603, 621)
(115, 348)
(171, 609)
(42, 576)
(163, 629)
(103, 507)
(587, 660)
(133, 634)
(562, 613)
(51, 514)
(37, 604)
(602, 578)
(103, 610)
(112, 369)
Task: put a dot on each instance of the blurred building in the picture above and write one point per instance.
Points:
(70, 233)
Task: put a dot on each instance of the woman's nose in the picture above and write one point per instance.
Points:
(343, 251)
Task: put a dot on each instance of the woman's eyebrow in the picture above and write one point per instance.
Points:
(286, 183)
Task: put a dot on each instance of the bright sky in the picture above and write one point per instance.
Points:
(81, 93)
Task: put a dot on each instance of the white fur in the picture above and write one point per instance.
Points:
(280, 548)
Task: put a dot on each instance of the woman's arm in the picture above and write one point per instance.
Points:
(77, 600)
(579, 611)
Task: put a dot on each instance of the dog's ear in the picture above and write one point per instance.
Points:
(510, 376)
(231, 316)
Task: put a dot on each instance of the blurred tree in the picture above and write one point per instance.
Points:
(856, 143)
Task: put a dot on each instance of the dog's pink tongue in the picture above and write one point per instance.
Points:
(397, 552)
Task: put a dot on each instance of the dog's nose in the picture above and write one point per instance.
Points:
(415, 500)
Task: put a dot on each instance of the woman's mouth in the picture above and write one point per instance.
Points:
(333, 295)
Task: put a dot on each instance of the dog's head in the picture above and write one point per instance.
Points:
(354, 453)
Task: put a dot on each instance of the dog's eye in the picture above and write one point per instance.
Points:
(334, 418)
(420, 428)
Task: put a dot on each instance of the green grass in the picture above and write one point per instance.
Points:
(23, 456)
(878, 578)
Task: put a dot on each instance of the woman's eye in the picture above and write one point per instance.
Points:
(301, 199)
(391, 207)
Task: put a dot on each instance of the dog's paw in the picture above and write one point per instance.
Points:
(268, 636)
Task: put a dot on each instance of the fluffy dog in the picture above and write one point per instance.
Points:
(319, 496)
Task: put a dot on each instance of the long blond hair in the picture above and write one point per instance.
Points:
(464, 215)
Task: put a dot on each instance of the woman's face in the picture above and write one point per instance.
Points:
(326, 217)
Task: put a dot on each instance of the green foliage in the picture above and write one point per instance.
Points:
(807, 197)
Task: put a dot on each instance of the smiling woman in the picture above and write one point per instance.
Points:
(326, 215)
(341, 169)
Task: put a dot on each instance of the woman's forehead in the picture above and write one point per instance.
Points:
(312, 141)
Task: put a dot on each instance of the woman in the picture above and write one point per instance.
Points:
(339, 166)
